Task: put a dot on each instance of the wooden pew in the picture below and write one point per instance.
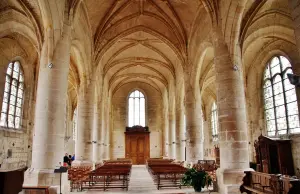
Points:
(165, 173)
(290, 185)
(111, 174)
(76, 176)
(261, 183)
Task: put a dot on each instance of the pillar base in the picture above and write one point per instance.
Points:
(230, 180)
(47, 177)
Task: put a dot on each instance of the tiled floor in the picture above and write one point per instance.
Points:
(141, 182)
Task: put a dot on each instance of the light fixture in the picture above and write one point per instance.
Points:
(294, 79)
(50, 65)
(235, 67)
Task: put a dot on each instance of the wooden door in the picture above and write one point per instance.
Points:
(137, 147)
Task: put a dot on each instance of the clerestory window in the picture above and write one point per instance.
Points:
(12, 104)
(136, 109)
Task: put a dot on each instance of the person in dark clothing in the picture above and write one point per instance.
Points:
(66, 160)
(70, 160)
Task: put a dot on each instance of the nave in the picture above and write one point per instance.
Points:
(141, 182)
(187, 80)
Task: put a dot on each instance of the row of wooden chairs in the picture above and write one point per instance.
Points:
(165, 173)
(77, 175)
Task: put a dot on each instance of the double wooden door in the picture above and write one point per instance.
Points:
(137, 146)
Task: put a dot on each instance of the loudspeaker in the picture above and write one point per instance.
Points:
(294, 79)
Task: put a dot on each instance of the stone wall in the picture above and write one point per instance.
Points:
(13, 150)
(16, 144)
(153, 119)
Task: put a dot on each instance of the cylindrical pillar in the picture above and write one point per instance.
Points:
(99, 128)
(180, 135)
(165, 142)
(172, 125)
(103, 131)
(95, 134)
(194, 135)
(85, 123)
(107, 135)
(233, 134)
(50, 111)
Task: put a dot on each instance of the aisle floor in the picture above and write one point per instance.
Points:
(141, 182)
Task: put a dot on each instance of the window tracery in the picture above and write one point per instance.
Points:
(12, 104)
(136, 109)
(280, 100)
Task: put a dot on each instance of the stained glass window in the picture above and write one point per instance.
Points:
(11, 113)
(136, 109)
(214, 122)
(280, 100)
(75, 124)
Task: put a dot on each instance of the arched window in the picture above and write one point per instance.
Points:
(136, 109)
(74, 124)
(214, 122)
(11, 113)
(280, 100)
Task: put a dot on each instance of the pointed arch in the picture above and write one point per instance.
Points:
(136, 108)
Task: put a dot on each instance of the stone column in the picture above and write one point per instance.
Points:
(95, 136)
(180, 135)
(194, 136)
(103, 130)
(109, 129)
(50, 109)
(51, 102)
(107, 133)
(233, 136)
(99, 132)
(165, 141)
(172, 125)
(96, 132)
(85, 115)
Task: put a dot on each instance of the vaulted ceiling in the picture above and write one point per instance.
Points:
(129, 41)
(141, 40)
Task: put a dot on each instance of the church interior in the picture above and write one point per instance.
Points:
(139, 92)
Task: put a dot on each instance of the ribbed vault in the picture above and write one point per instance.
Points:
(141, 40)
